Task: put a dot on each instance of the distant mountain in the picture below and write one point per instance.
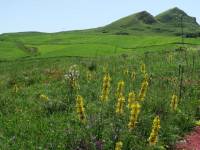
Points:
(143, 22)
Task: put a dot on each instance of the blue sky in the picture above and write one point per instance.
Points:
(59, 15)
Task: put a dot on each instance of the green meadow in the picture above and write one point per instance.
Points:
(31, 121)
(85, 45)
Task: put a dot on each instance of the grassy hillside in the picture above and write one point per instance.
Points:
(9, 50)
(166, 23)
(136, 33)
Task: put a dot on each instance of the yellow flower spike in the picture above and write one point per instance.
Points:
(120, 88)
(80, 108)
(154, 132)
(106, 87)
(44, 97)
(131, 99)
(135, 110)
(143, 90)
(174, 102)
(120, 104)
(118, 145)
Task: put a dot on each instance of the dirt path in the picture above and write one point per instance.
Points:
(190, 141)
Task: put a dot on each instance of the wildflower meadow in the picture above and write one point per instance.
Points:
(140, 101)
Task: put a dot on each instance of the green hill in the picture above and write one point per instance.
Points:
(173, 17)
(138, 32)
(140, 18)
(168, 22)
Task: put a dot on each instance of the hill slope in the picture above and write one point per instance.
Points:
(138, 32)
(168, 22)
(173, 17)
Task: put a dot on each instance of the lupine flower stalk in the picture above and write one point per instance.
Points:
(135, 110)
(106, 87)
(143, 68)
(131, 99)
(80, 108)
(154, 132)
(120, 104)
(120, 88)
(174, 102)
(143, 90)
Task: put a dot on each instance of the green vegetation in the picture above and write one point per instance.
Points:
(83, 44)
(71, 90)
(29, 121)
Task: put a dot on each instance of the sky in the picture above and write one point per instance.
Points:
(64, 15)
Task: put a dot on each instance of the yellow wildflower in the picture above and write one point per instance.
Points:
(120, 104)
(106, 87)
(154, 132)
(143, 90)
(174, 102)
(80, 108)
(135, 110)
(143, 68)
(131, 99)
(120, 88)
(118, 145)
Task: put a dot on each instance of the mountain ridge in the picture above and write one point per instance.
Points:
(143, 22)
(166, 22)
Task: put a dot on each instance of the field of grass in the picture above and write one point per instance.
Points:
(83, 44)
(9, 51)
(38, 103)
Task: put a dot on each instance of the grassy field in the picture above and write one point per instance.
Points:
(16, 46)
(38, 104)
